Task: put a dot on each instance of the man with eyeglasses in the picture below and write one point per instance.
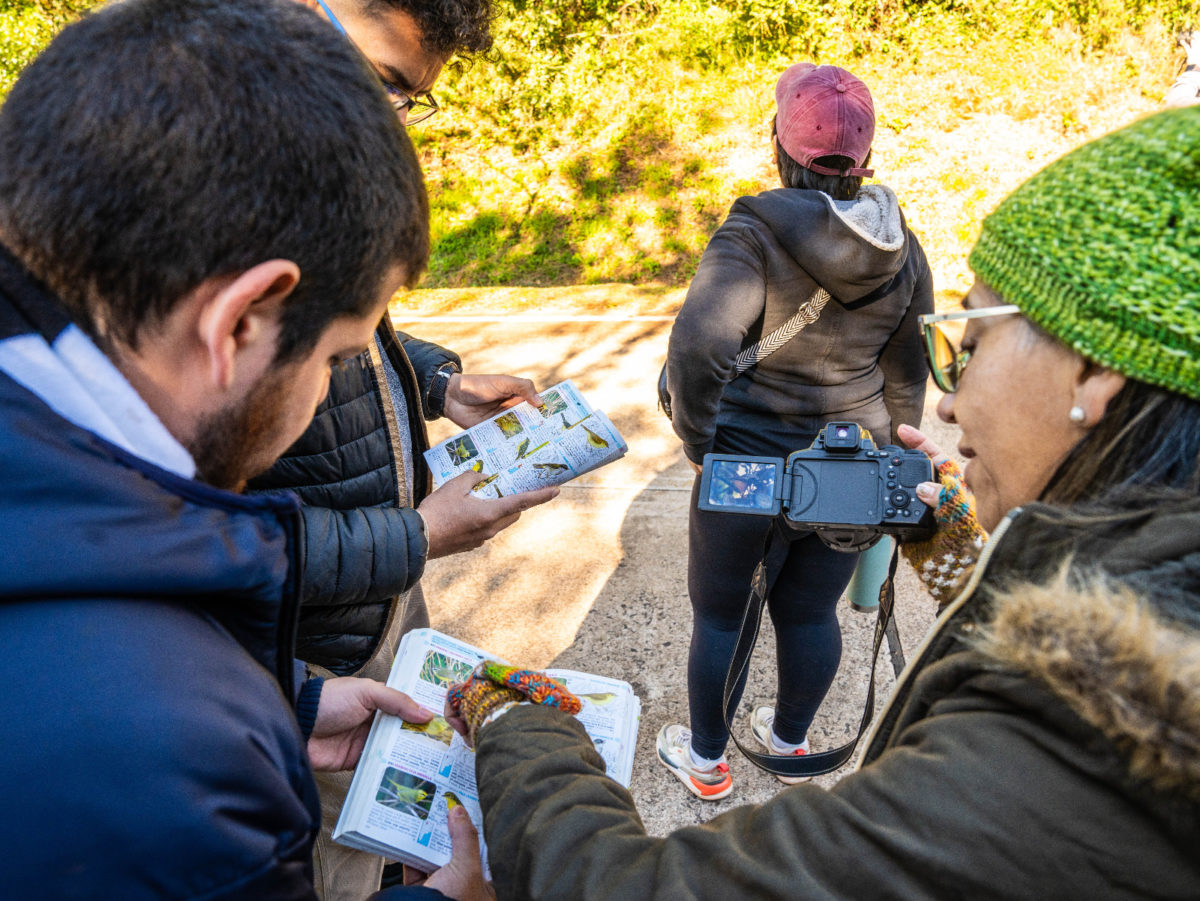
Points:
(408, 43)
(371, 521)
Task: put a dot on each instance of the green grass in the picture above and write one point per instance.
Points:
(25, 27)
(639, 129)
(604, 140)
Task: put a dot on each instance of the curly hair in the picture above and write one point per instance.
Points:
(462, 27)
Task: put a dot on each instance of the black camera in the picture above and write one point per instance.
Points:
(843, 487)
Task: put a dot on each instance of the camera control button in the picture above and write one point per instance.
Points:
(889, 512)
(891, 485)
(900, 498)
(895, 461)
(891, 474)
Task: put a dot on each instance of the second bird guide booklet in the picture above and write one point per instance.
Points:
(525, 448)
(410, 776)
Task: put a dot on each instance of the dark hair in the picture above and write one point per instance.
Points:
(1141, 459)
(1148, 441)
(462, 27)
(793, 175)
(159, 143)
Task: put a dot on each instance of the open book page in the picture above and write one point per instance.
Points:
(611, 713)
(525, 448)
(410, 776)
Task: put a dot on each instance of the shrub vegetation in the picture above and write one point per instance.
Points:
(603, 140)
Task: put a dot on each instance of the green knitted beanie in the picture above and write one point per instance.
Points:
(1102, 250)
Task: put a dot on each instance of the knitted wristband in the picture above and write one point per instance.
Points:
(477, 698)
(493, 685)
(533, 685)
(941, 561)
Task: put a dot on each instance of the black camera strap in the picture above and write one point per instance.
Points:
(775, 554)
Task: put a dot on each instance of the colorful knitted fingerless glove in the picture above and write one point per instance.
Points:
(494, 687)
(941, 561)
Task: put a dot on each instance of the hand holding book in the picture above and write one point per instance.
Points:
(457, 519)
(345, 714)
(470, 399)
(524, 448)
(413, 775)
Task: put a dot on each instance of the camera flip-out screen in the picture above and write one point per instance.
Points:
(741, 484)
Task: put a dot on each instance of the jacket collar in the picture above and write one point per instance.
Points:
(1101, 648)
(1104, 611)
(1107, 616)
(53, 358)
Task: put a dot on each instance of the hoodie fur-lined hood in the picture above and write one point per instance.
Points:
(1115, 662)
(1103, 609)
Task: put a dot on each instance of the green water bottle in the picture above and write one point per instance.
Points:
(872, 569)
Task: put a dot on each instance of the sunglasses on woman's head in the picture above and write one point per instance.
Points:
(946, 361)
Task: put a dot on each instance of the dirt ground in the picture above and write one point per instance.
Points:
(595, 580)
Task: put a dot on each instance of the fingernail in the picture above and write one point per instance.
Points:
(927, 491)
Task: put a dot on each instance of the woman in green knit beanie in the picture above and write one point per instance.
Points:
(1044, 742)
(1088, 300)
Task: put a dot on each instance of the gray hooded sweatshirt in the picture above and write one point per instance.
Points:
(862, 360)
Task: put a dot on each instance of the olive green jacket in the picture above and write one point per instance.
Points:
(1043, 743)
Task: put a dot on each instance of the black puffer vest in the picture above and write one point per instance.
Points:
(364, 542)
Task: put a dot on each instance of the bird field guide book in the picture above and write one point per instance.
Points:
(525, 448)
(410, 776)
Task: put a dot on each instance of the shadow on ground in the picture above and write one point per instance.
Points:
(595, 580)
(639, 628)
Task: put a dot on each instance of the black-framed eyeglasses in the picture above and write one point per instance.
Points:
(946, 361)
(414, 107)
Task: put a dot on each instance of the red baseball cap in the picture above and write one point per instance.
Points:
(824, 111)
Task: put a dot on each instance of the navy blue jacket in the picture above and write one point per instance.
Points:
(148, 625)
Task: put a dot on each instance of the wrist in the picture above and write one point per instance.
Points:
(308, 704)
(480, 701)
(500, 711)
(439, 385)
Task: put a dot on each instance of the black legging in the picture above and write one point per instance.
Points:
(723, 550)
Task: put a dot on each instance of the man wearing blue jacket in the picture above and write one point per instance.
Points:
(186, 250)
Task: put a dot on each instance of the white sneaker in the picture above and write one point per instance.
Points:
(761, 721)
(674, 752)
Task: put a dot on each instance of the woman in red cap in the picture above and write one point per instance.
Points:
(826, 251)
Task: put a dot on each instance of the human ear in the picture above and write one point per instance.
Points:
(240, 319)
(1096, 386)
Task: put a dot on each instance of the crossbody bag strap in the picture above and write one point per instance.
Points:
(774, 555)
(808, 313)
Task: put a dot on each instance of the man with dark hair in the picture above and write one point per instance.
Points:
(177, 277)
(371, 520)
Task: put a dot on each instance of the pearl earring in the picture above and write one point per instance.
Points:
(1077, 414)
